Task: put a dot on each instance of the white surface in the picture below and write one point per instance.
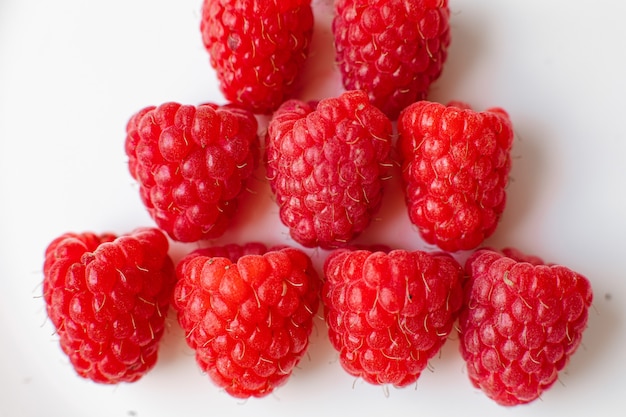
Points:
(71, 74)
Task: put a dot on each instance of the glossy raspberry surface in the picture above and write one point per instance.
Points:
(107, 298)
(258, 48)
(192, 164)
(389, 314)
(248, 321)
(326, 164)
(520, 324)
(393, 49)
(455, 167)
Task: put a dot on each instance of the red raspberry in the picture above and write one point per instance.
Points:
(326, 164)
(192, 164)
(456, 165)
(107, 297)
(520, 324)
(258, 48)
(389, 314)
(248, 321)
(393, 49)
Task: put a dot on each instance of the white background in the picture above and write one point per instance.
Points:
(71, 74)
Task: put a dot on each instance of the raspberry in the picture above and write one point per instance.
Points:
(248, 321)
(520, 324)
(107, 297)
(326, 163)
(455, 166)
(393, 49)
(192, 164)
(389, 314)
(258, 48)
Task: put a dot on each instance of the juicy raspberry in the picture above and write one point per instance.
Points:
(520, 324)
(248, 321)
(455, 165)
(107, 297)
(326, 163)
(389, 314)
(258, 48)
(393, 49)
(192, 164)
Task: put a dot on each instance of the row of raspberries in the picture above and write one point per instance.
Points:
(248, 310)
(326, 160)
(326, 163)
(392, 49)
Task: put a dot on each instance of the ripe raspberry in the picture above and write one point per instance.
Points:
(520, 324)
(258, 48)
(326, 163)
(456, 165)
(393, 49)
(192, 164)
(389, 314)
(248, 321)
(107, 297)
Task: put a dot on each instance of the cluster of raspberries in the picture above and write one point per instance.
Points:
(248, 310)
